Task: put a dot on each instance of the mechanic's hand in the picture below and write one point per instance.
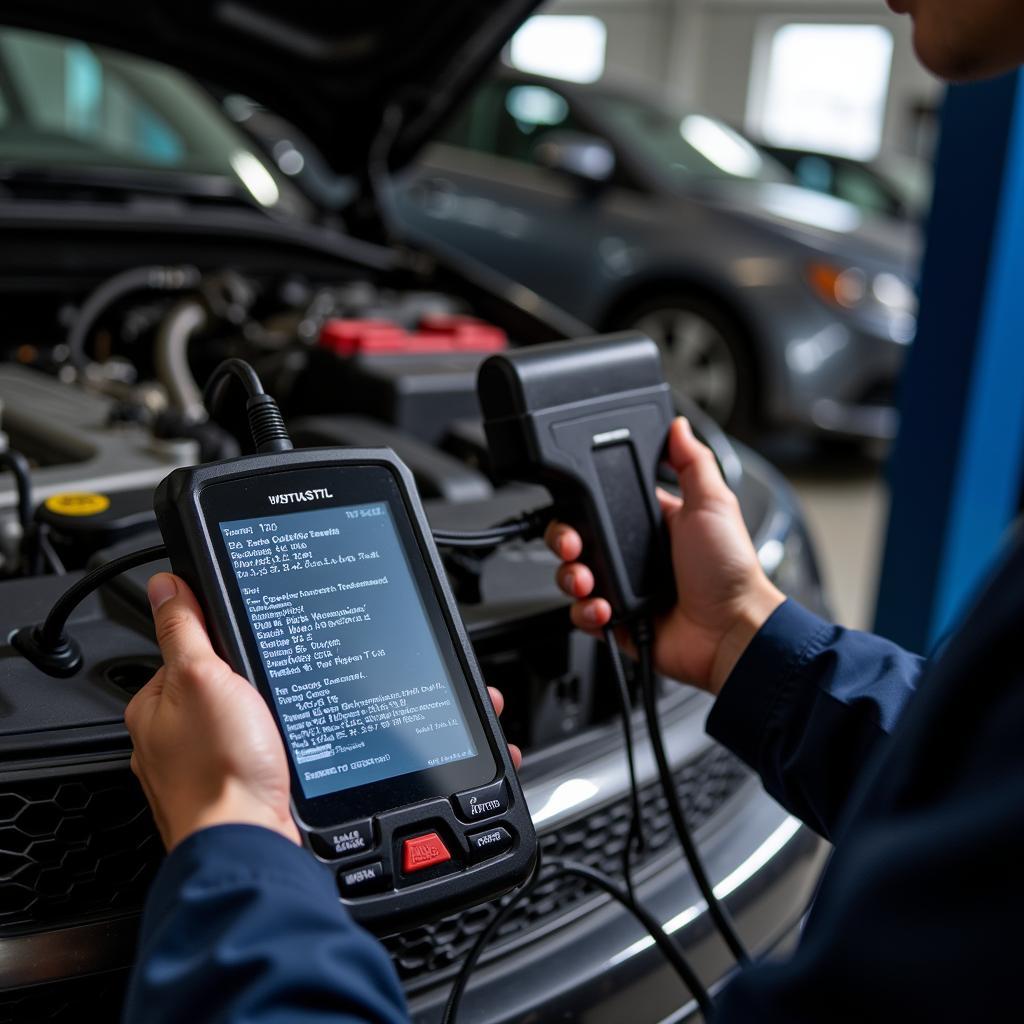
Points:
(724, 595)
(207, 751)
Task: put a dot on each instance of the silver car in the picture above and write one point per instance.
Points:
(776, 306)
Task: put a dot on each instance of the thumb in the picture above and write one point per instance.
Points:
(700, 479)
(180, 630)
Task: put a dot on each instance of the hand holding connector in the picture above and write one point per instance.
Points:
(723, 595)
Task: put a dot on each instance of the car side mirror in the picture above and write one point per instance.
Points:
(584, 158)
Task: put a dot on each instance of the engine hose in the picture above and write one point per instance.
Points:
(171, 357)
(153, 278)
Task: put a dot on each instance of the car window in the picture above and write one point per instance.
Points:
(686, 144)
(509, 120)
(864, 190)
(68, 104)
(816, 173)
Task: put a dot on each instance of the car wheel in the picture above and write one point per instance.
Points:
(705, 355)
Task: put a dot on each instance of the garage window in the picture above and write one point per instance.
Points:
(823, 87)
(567, 46)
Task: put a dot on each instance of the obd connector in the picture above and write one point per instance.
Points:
(588, 420)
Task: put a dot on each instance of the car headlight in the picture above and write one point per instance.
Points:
(884, 297)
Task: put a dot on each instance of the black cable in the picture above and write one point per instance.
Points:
(49, 647)
(532, 524)
(241, 371)
(137, 279)
(670, 950)
(717, 911)
(451, 1007)
(266, 424)
(51, 633)
(636, 823)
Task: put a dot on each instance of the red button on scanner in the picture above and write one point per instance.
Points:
(423, 852)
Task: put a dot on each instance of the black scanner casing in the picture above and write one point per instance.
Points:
(589, 420)
(189, 540)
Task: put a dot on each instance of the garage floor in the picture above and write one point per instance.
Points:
(846, 503)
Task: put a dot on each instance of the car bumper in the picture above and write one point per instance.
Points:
(825, 374)
(599, 966)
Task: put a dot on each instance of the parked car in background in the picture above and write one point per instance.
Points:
(892, 185)
(774, 305)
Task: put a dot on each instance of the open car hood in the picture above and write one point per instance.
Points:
(331, 68)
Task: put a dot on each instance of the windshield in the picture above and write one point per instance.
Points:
(687, 145)
(66, 105)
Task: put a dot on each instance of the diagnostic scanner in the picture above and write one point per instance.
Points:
(589, 420)
(321, 585)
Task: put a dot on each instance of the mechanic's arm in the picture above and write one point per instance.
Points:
(803, 702)
(241, 923)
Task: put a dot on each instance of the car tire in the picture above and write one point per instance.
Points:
(706, 354)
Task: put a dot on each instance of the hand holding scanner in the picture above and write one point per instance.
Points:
(321, 585)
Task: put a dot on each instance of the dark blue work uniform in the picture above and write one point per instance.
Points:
(920, 911)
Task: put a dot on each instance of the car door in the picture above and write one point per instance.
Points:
(481, 190)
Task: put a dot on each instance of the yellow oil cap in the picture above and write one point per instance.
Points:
(77, 503)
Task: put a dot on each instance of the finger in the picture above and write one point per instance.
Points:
(180, 631)
(700, 479)
(670, 503)
(517, 756)
(575, 579)
(497, 699)
(592, 615)
(564, 541)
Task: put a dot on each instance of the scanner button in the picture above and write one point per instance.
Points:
(344, 841)
(361, 881)
(489, 843)
(423, 852)
(486, 802)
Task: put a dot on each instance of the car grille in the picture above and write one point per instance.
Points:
(97, 999)
(73, 849)
(84, 848)
(427, 955)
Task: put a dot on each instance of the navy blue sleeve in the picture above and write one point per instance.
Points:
(807, 705)
(243, 925)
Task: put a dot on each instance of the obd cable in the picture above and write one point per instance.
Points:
(643, 637)
(622, 896)
(635, 835)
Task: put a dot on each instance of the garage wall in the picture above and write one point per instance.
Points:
(702, 50)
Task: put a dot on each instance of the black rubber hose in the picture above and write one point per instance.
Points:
(18, 465)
